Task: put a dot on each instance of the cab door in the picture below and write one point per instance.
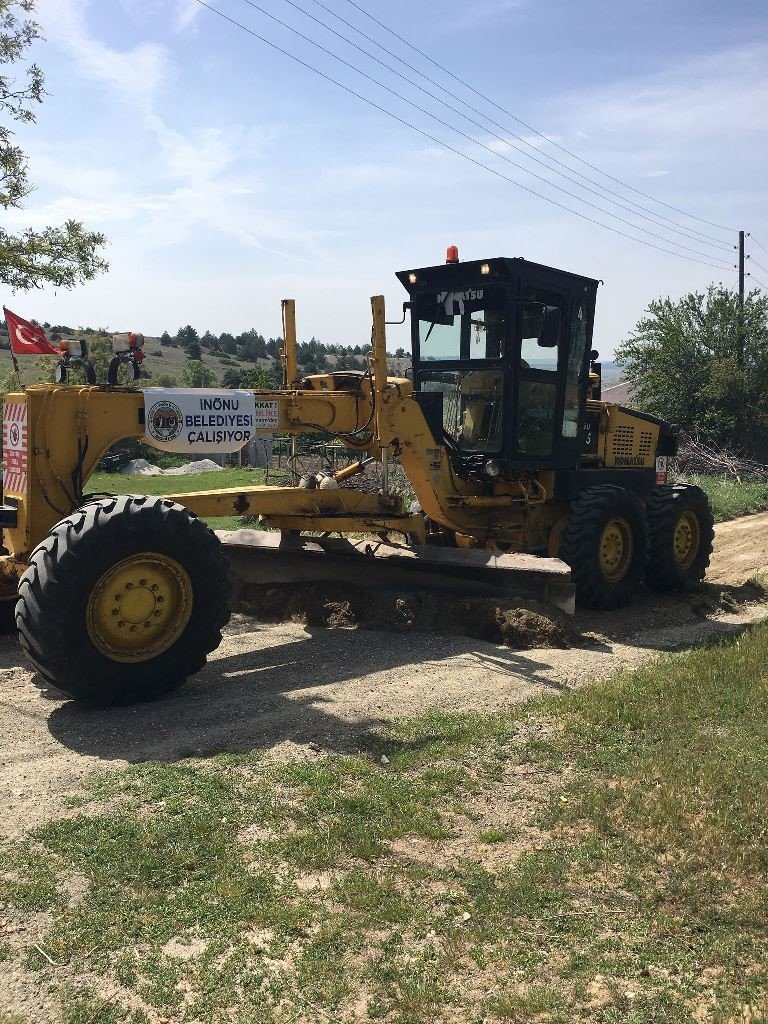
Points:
(547, 414)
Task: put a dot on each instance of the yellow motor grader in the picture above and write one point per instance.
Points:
(524, 480)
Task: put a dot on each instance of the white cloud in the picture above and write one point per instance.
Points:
(197, 167)
(187, 12)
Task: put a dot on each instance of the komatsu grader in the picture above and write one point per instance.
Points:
(522, 477)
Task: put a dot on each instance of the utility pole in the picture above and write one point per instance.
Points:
(740, 348)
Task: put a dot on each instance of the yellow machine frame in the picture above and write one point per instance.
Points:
(70, 428)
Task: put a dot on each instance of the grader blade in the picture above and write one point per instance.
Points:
(259, 557)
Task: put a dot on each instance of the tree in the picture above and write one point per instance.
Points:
(166, 339)
(258, 378)
(400, 353)
(186, 335)
(232, 379)
(703, 363)
(165, 380)
(197, 375)
(209, 340)
(228, 344)
(59, 256)
(194, 351)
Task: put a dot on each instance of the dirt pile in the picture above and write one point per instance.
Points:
(331, 606)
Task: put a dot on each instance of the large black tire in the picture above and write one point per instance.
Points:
(681, 532)
(598, 518)
(69, 609)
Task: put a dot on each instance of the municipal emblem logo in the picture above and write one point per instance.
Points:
(164, 421)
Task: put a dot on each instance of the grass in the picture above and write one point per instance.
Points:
(731, 499)
(124, 483)
(596, 857)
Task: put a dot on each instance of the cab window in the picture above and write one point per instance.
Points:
(467, 324)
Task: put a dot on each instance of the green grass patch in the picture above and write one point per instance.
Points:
(731, 499)
(596, 857)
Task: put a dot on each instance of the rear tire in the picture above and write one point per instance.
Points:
(605, 542)
(681, 532)
(123, 600)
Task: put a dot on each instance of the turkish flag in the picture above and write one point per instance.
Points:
(27, 339)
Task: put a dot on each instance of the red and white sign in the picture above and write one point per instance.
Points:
(661, 469)
(15, 448)
(27, 339)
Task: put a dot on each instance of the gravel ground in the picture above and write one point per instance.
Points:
(282, 687)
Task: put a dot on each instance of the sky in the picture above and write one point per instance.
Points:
(227, 176)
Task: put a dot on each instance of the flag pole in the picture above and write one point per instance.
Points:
(13, 354)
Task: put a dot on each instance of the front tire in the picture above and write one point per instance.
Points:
(681, 531)
(123, 600)
(605, 542)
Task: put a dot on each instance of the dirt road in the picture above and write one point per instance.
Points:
(295, 691)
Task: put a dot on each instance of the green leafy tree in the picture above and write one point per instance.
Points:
(194, 350)
(228, 344)
(702, 362)
(60, 256)
(185, 336)
(165, 380)
(197, 375)
(260, 379)
(209, 340)
(166, 339)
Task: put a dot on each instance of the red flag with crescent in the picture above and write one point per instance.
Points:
(27, 339)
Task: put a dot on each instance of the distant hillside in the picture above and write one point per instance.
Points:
(168, 360)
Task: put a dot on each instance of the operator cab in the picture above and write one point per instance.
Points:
(501, 352)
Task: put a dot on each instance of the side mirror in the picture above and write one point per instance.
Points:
(551, 318)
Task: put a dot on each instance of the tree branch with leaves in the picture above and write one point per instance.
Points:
(60, 256)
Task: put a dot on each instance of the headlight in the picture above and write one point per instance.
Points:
(412, 278)
(492, 467)
(485, 268)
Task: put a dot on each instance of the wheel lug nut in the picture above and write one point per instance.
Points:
(129, 586)
(155, 614)
(160, 600)
(121, 623)
(115, 611)
(155, 588)
(147, 625)
(142, 583)
(134, 629)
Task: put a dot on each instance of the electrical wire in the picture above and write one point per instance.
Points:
(707, 257)
(640, 211)
(530, 128)
(717, 242)
(754, 262)
(758, 244)
(759, 283)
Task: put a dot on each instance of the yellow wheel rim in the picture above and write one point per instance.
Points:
(139, 607)
(686, 539)
(615, 552)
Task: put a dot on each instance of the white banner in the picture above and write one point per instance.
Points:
(198, 419)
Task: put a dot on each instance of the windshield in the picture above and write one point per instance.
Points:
(468, 324)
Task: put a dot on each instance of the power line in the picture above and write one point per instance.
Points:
(754, 261)
(627, 204)
(469, 138)
(759, 244)
(530, 128)
(446, 145)
(759, 282)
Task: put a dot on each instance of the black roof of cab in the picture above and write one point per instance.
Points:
(501, 269)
